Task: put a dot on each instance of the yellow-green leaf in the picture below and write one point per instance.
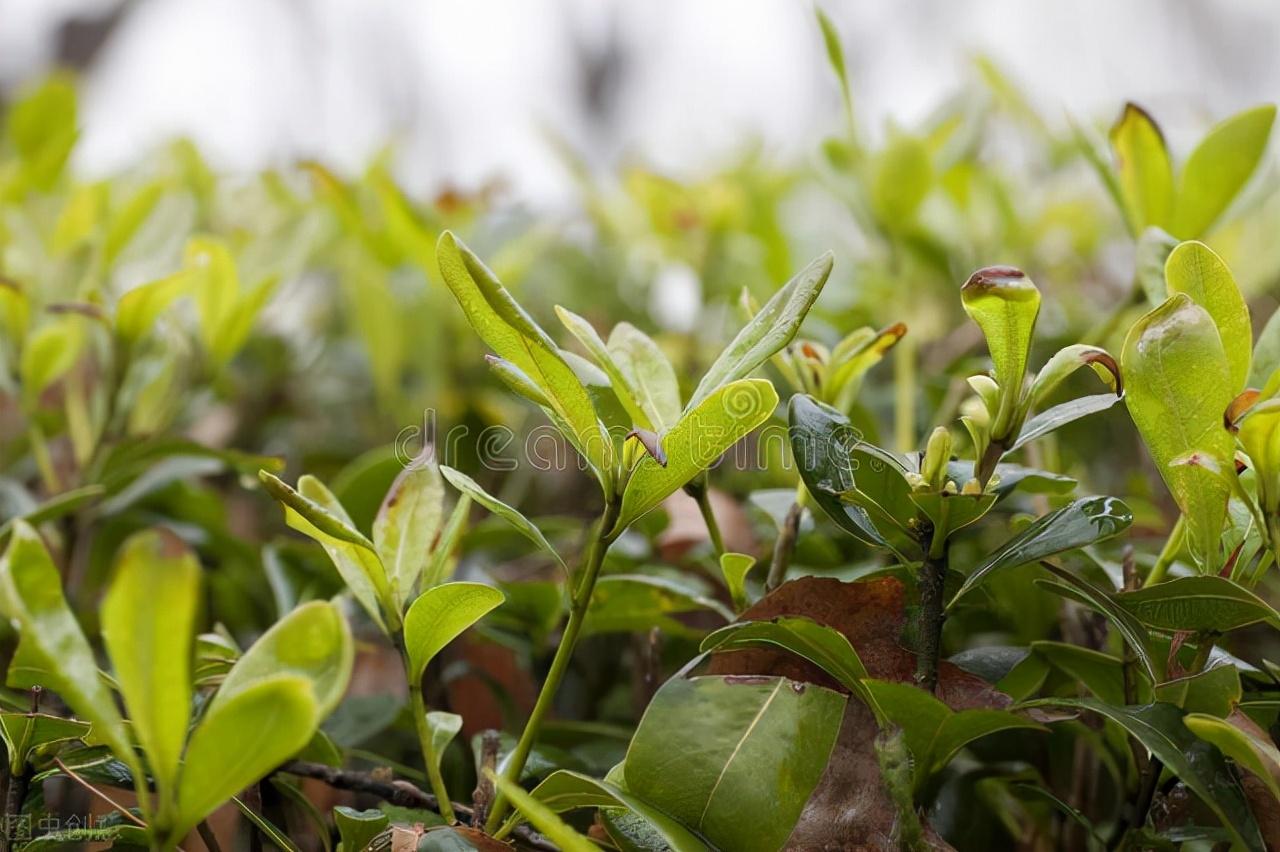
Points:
(405, 529)
(1219, 167)
(52, 650)
(240, 741)
(312, 642)
(1178, 381)
(1004, 303)
(1144, 169)
(1193, 268)
(1259, 757)
(148, 622)
(696, 441)
(440, 615)
(511, 333)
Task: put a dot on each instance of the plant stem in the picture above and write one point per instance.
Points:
(592, 560)
(14, 796)
(44, 462)
(701, 494)
(1168, 553)
(987, 464)
(932, 577)
(785, 547)
(418, 707)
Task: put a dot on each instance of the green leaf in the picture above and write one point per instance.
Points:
(1193, 268)
(440, 567)
(1004, 303)
(635, 603)
(835, 57)
(1216, 690)
(822, 441)
(1178, 381)
(52, 649)
(404, 532)
(1082, 522)
(1253, 753)
(139, 308)
(313, 511)
(148, 622)
(734, 759)
(701, 436)
(511, 333)
(269, 830)
(23, 733)
(1101, 674)
(648, 372)
(1144, 170)
(1062, 414)
(543, 818)
(934, 733)
(826, 648)
(523, 525)
(1208, 603)
(735, 567)
(126, 221)
(357, 829)
(440, 615)
(902, 176)
(313, 642)
(564, 790)
(49, 354)
(240, 740)
(1219, 167)
(1065, 362)
(1160, 729)
(771, 329)
(444, 727)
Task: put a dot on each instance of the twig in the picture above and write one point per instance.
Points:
(784, 547)
(932, 577)
(490, 743)
(207, 835)
(398, 792)
(128, 814)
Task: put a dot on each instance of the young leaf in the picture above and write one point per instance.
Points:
(564, 790)
(1266, 354)
(52, 650)
(541, 817)
(1142, 164)
(1004, 303)
(1151, 255)
(1062, 414)
(148, 621)
(472, 489)
(510, 332)
(773, 328)
(1179, 384)
(703, 434)
(706, 743)
(444, 727)
(649, 373)
(313, 511)
(735, 567)
(1160, 729)
(240, 740)
(440, 615)
(313, 642)
(1193, 268)
(357, 829)
(1066, 361)
(404, 531)
(1080, 523)
(1219, 167)
(1208, 603)
(23, 733)
(139, 308)
(49, 354)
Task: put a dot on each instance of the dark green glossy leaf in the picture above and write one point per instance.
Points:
(1080, 523)
(1081, 591)
(1197, 603)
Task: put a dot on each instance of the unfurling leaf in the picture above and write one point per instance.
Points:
(1004, 303)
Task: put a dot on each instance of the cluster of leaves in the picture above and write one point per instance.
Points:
(1043, 620)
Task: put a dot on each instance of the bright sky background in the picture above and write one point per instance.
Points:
(466, 86)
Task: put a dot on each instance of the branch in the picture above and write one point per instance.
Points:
(398, 792)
